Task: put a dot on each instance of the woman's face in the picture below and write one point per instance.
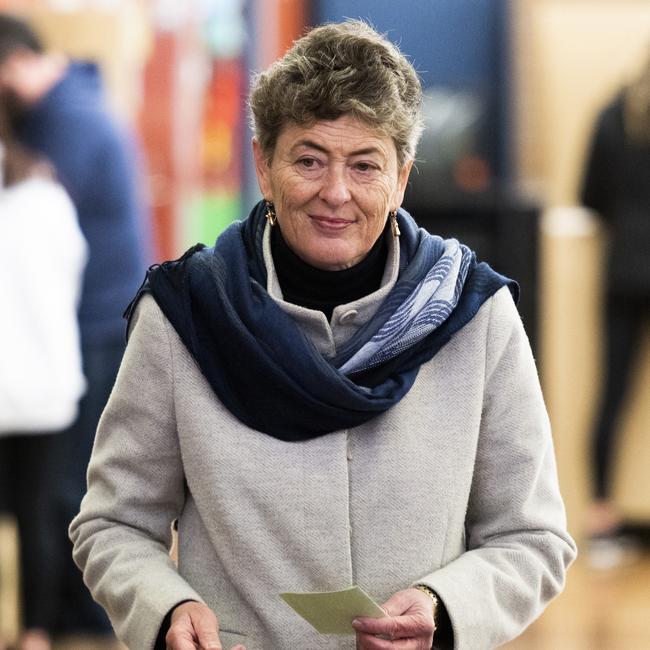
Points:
(333, 184)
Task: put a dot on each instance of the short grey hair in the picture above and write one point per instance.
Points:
(340, 69)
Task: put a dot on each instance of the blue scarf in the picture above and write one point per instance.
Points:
(268, 373)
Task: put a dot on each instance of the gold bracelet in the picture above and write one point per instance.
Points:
(434, 599)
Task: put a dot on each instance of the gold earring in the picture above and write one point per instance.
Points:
(393, 223)
(270, 214)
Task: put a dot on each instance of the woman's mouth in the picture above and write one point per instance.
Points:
(329, 223)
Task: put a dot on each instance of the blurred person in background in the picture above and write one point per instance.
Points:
(330, 395)
(41, 382)
(617, 186)
(57, 109)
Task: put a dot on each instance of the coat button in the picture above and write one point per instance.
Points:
(348, 317)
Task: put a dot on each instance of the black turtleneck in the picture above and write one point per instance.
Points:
(307, 286)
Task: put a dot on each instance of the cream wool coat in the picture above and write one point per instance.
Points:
(454, 487)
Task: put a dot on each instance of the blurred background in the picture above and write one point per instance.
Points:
(513, 90)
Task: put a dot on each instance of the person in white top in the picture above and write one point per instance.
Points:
(43, 255)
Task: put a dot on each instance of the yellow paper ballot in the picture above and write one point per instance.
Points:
(332, 612)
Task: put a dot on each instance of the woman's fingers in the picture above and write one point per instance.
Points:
(408, 626)
(395, 627)
(193, 625)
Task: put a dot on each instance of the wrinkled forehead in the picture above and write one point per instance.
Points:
(344, 133)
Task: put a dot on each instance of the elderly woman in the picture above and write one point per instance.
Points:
(330, 396)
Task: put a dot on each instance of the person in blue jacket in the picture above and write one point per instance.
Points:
(58, 110)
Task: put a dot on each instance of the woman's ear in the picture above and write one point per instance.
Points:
(262, 171)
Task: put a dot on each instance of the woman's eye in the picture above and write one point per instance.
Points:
(308, 163)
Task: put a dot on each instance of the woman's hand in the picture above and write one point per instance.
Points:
(194, 626)
(408, 625)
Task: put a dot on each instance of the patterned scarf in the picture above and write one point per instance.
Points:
(265, 370)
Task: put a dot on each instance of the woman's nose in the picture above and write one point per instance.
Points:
(334, 189)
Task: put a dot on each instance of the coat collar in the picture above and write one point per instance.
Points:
(348, 318)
